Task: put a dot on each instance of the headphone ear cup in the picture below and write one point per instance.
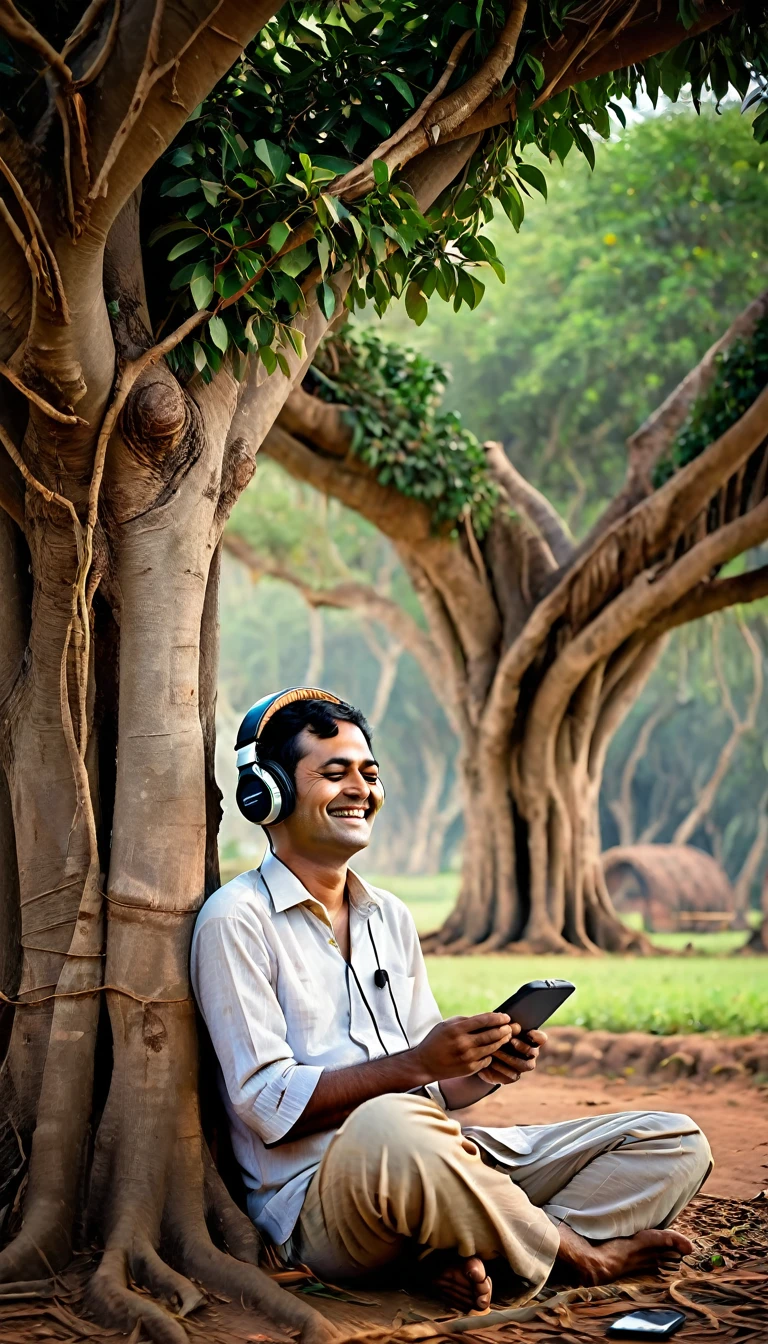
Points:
(287, 791)
(265, 795)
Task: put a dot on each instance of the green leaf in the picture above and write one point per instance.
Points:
(184, 188)
(273, 157)
(297, 340)
(381, 174)
(562, 141)
(185, 245)
(323, 251)
(326, 299)
(512, 204)
(602, 122)
(211, 191)
(534, 177)
(379, 245)
(287, 289)
(466, 205)
(268, 358)
(536, 68)
(337, 166)
(173, 227)
(199, 356)
(278, 234)
(354, 224)
(416, 305)
(585, 145)
(219, 334)
(201, 288)
(402, 88)
(296, 261)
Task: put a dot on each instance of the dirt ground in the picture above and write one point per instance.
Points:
(733, 1115)
(723, 1291)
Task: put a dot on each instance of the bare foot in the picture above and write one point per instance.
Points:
(604, 1261)
(464, 1283)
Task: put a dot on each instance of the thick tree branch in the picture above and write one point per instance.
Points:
(445, 117)
(166, 59)
(632, 544)
(408, 524)
(709, 597)
(532, 502)
(360, 597)
(645, 598)
(653, 439)
(656, 30)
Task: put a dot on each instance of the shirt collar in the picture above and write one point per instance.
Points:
(287, 891)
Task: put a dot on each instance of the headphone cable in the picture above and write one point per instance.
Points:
(388, 983)
(350, 967)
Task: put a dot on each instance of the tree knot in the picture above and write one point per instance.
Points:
(154, 420)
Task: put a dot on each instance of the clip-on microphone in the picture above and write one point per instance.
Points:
(381, 978)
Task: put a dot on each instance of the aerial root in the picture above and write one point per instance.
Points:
(233, 1227)
(44, 1247)
(251, 1286)
(150, 1271)
(113, 1303)
(28, 1288)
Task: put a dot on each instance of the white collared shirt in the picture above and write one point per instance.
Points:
(281, 1005)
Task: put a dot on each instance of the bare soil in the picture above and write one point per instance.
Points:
(722, 1299)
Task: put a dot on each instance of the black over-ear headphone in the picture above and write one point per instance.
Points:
(265, 792)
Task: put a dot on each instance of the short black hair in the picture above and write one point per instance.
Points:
(280, 739)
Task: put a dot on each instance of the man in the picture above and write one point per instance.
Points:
(340, 1078)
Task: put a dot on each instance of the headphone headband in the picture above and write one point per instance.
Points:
(258, 715)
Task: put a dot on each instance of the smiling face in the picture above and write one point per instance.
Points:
(338, 794)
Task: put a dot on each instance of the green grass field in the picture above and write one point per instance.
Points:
(666, 995)
(711, 991)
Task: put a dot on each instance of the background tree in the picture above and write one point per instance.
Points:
(134, 401)
(347, 573)
(538, 646)
(691, 752)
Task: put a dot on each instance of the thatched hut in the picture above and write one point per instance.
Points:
(674, 887)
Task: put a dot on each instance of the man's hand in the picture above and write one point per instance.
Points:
(462, 1046)
(504, 1068)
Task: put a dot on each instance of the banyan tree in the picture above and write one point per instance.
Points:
(535, 644)
(190, 191)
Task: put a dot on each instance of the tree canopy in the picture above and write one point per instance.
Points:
(615, 287)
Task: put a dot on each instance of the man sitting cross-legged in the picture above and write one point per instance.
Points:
(340, 1078)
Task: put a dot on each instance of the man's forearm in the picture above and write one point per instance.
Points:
(341, 1091)
(461, 1092)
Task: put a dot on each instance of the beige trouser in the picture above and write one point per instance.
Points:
(401, 1170)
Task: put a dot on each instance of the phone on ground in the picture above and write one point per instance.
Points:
(651, 1323)
(532, 1005)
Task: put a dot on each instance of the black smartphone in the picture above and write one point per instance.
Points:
(652, 1323)
(532, 1004)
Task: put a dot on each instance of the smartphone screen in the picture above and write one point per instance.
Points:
(651, 1324)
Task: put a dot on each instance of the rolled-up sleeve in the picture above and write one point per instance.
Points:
(267, 1088)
